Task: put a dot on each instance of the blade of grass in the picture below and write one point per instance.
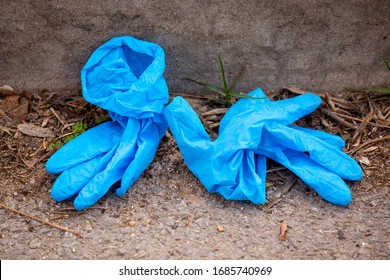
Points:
(241, 95)
(385, 62)
(380, 90)
(208, 86)
(225, 87)
(368, 90)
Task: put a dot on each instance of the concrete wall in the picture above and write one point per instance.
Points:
(315, 45)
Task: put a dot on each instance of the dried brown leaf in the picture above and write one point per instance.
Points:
(364, 160)
(369, 149)
(283, 231)
(15, 105)
(33, 130)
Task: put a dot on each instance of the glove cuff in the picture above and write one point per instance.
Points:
(125, 76)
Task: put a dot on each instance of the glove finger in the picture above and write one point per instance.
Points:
(250, 184)
(261, 170)
(147, 144)
(331, 139)
(321, 152)
(191, 137)
(72, 180)
(292, 109)
(247, 184)
(249, 113)
(85, 147)
(102, 182)
(326, 183)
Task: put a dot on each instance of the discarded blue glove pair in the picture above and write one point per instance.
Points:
(125, 77)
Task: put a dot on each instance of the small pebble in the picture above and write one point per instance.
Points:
(35, 244)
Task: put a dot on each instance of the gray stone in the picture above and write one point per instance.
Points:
(315, 45)
(35, 244)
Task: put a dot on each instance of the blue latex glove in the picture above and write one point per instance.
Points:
(125, 77)
(234, 165)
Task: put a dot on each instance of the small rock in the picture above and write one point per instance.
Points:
(283, 231)
(220, 228)
(62, 251)
(122, 251)
(132, 223)
(140, 254)
(88, 228)
(340, 234)
(35, 244)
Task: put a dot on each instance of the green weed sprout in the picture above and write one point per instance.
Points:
(385, 90)
(227, 92)
(77, 129)
(385, 62)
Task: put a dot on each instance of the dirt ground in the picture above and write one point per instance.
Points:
(168, 214)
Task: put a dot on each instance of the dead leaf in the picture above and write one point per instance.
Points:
(364, 160)
(6, 129)
(31, 163)
(45, 121)
(283, 231)
(33, 130)
(6, 89)
(295, 90)
(15, 105)
(220, 228)
(369, 149)
(300, 91)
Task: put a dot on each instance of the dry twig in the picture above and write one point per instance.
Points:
(276, 169)
(39, 220)
(274, 202)
(330, 102)
(339, 119)
(73, 209)
(363, 125)
(218, 111)
(58, 116)
(359, 120)
(368, 143)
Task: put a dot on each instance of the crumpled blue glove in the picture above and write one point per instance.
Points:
(125, 77)
(234, 165)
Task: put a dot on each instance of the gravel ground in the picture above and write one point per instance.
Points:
(168, 214)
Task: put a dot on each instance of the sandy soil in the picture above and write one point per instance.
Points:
(168, 214)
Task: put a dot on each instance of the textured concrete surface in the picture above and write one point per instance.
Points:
(316, 45)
